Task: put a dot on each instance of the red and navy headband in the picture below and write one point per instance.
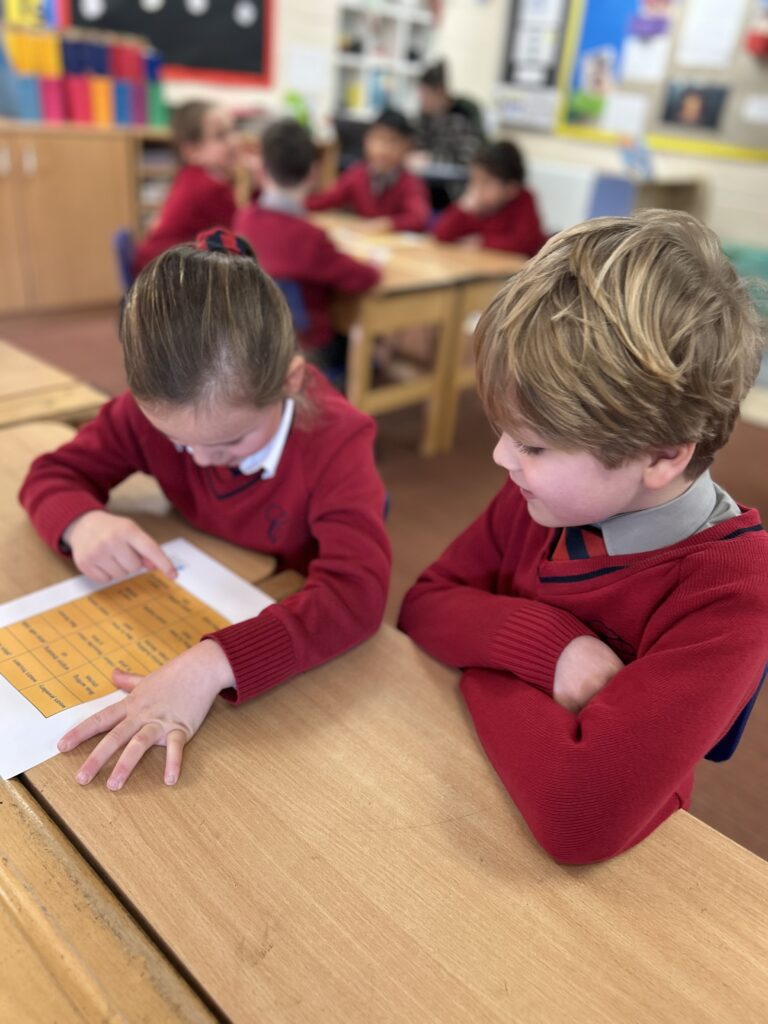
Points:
(224, 240)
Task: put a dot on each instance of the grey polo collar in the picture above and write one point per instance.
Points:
(703, 505)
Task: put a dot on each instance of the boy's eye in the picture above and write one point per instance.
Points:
(527, 449)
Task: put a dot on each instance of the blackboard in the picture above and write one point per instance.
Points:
(222, 40)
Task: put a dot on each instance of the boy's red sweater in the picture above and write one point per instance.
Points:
(689, 622)
(406, 202)
(290, 247)
(195, 203)
(515, 227)
(321, 514)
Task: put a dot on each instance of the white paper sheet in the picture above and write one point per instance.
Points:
(754, 108)
(625, 113)
(27, 737)
(709, 33)
(645, 60)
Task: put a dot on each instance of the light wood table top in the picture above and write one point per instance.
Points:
(411, 261)
(341, 850)
(31, 389)
(69, 950)
(139, 497)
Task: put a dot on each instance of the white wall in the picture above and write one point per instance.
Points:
(471, 38)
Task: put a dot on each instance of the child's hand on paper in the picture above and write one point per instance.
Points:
(107, 547)
(583, 669)
(165, 708)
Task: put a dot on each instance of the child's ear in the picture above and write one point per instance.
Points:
(294, 378)
(667, 464)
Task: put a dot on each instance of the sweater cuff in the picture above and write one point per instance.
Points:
(532, 639)
(54, 517)
(260, 652)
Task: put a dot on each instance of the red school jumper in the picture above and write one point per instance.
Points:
(688, 621)
(406, 201)
(321, 514)
(288, 246)
(514, 228)
(195, 203)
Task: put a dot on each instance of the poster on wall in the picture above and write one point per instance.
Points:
(220, 40)
(527, 94)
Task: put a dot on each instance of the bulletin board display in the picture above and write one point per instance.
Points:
(224, 41)
(674, 73)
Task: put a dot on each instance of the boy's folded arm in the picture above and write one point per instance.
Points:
(77, 478)
(342, 602)
(454, 223)
(468, 627)
(591, 785)
(336, 270)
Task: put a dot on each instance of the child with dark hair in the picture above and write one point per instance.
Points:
(380, 187)
(249, 444)
(496, 210)
(289, 247)
(201, 195)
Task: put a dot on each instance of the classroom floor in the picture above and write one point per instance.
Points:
(432, 500)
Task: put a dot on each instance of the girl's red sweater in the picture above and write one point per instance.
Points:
(321, 514)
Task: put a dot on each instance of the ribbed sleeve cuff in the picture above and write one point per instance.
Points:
(52, 519)
(260, 652)
(532, 639)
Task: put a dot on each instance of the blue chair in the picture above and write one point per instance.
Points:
(124, 245)
(295, 299)
(612, 197)
(725, 747)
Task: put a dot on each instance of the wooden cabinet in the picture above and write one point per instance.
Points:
(11, 279)
(63, 195)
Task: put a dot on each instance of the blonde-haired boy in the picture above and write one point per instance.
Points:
(610, 606)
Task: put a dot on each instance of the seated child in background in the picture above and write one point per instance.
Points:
(248, 443)
(379, 187)
(288, 246)
(201, 195)
(610, 607)
(495, 210)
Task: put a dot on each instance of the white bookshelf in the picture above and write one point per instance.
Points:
(382, 47)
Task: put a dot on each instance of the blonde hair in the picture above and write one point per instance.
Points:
(623, 335)
(200, 325)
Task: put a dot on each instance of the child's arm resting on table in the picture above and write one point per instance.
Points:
(343, 600)
(591, 785)
(454, 612)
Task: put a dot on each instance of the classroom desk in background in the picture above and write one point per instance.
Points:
(340, 849)
(424, 282)
(31, 389)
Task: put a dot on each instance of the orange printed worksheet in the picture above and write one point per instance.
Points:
(58, 654)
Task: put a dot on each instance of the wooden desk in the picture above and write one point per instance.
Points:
(69, 950)
(31, 389)
(423, 282)
(339, 849)
(139, 497)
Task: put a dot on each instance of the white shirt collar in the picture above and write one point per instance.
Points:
(267, 459)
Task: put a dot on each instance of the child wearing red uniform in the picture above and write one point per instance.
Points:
(288, 246)
(248, 443)
(201, 195)
(610, 607)
(495, 210)
(379, 187)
